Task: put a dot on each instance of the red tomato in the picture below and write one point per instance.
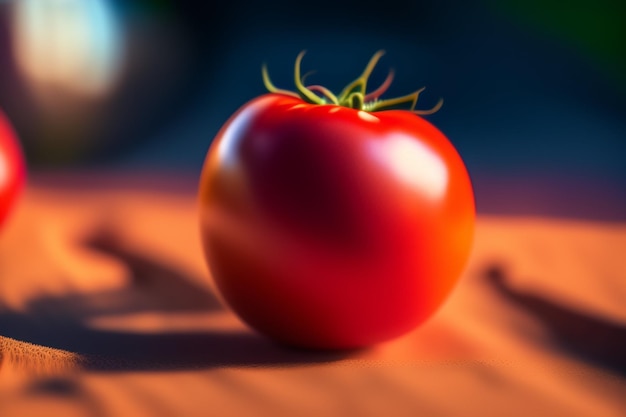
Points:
(12, 169)
(332, 227)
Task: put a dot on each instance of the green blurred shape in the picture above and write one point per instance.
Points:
(597, 27)
(155, 6)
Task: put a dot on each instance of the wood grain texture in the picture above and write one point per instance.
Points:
(107, 309)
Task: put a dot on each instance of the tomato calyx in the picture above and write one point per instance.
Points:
(354, 95)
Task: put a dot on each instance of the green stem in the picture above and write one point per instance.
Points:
(356, 101)
(432, 110)
(270, 87)
(362, 80)
(325, 91)
(305, 93)
(399, 100)
(380, 90)
(354, 95)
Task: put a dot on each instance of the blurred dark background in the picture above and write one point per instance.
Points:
(534, 90)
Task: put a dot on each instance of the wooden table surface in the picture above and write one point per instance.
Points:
(107, 309)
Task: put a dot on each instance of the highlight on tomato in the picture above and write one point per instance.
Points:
(12, 168)
(334, 221)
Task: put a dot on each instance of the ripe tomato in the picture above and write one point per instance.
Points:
(12, 169)
(328, 226)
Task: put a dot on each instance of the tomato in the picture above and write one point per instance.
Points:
(328, 226)
(12, 169)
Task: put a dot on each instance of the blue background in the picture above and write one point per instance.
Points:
(535, 94)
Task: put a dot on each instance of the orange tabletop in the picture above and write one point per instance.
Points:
(107, 309)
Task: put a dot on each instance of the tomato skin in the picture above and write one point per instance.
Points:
(12, 168)
(329, 227)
